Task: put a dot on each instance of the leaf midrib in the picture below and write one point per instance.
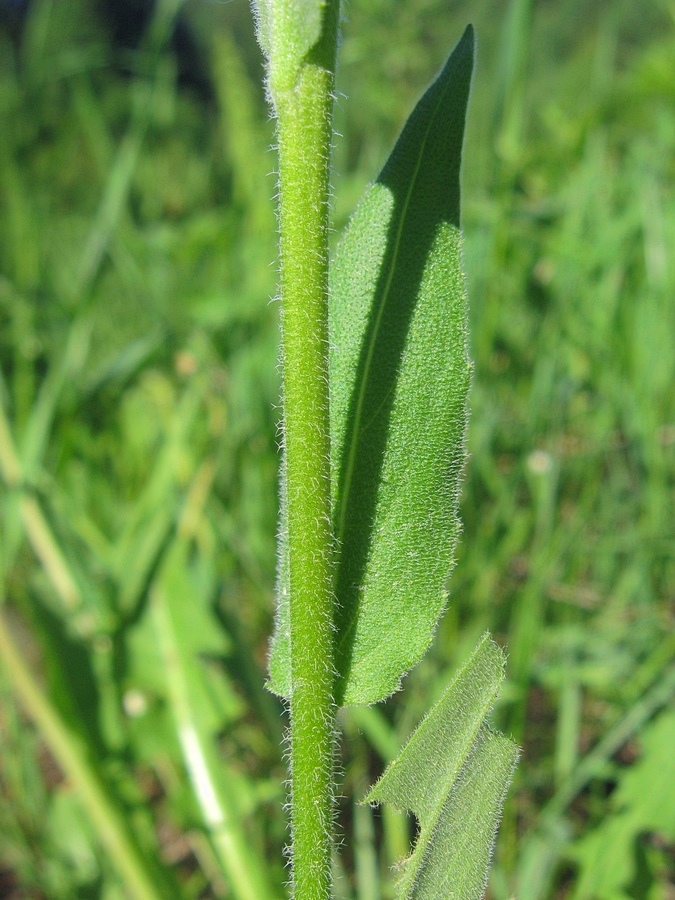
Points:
(351, 458)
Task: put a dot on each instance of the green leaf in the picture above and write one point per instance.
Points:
(643, 803)
(399, 378)
(287, 31)
(453, 774)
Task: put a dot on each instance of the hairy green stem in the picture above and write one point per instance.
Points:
(304, 122)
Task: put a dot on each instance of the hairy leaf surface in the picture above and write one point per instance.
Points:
(287, 31)
(453, 775)
(399, 378)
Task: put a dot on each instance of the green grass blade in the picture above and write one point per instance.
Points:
(453, 775)
(34, 522)
(176, 617)
(643, 803)
(541, 848)
(143, 878)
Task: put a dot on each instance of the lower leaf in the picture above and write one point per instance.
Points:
(453, 774)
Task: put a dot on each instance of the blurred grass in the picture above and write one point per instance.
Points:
(139, 393)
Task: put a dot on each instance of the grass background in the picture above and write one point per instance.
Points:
(139, 408)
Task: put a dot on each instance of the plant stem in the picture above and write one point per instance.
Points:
(304, 114)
